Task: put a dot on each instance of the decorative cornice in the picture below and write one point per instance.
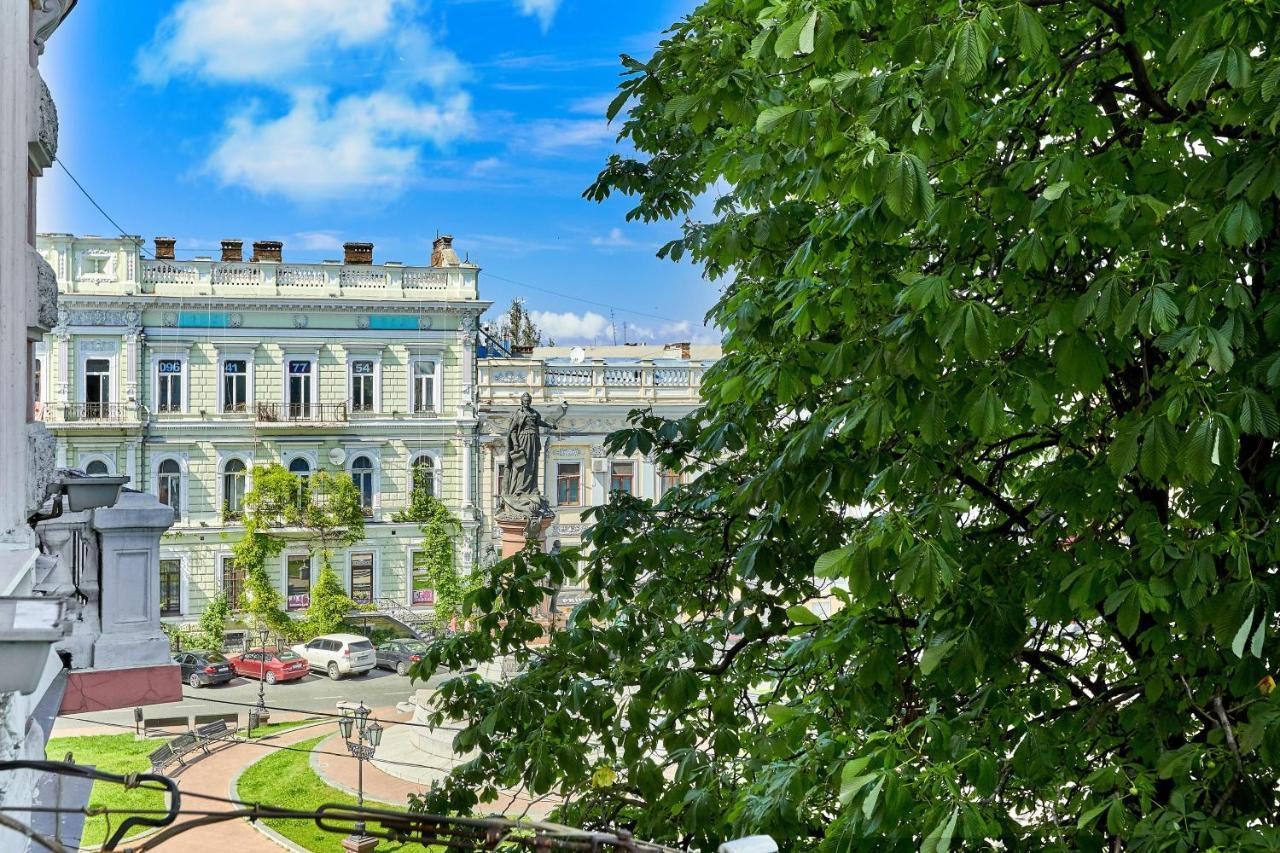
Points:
(466, 308)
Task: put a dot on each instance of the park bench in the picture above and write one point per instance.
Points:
(173, 751)
(215, 731)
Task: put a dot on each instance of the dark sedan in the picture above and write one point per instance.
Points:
(400, 654)
(200, 669)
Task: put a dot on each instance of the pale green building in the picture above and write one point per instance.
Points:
(185, 374)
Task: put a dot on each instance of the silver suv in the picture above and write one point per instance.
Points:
(339, 654)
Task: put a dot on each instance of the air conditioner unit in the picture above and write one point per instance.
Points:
(599, 466)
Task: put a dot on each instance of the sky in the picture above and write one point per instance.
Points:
(389, 121)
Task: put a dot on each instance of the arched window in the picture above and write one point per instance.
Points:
(362, 475)
(97, 468)
(233, 485)
(424, 474)
(301, 469)
(169, 484)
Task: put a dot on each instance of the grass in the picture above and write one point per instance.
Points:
(123, 754)
(286, 778)
(114, 754)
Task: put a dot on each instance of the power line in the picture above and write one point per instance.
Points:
(94, 202)
(584, 301)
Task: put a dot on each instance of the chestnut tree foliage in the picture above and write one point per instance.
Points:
(984, 542)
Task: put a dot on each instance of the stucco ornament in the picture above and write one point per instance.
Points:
(46, 123)
(299, 321)
(47, 314)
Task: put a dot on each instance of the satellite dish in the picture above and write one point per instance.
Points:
(337, 456)
(577, 355)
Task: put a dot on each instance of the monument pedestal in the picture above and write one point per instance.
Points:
(515, 533)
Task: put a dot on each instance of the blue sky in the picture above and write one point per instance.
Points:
(318, 121)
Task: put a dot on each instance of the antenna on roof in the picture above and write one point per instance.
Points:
(613, 327)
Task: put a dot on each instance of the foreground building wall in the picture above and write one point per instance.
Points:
(185, 374)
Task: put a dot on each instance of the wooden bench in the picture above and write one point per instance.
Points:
(215, 731)
(161, 758)
(173, 751)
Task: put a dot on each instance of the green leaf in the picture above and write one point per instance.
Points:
(1195, 84)
(969, 50)
(771, 116)
(802, 615)
(1242, 635)
(1123, 453)
(834, 564)
(1054, 191)
(789, 38)
(906, 186)
(873, 797)
(933, 655)
(805, 42)
(1241, 224)
(1031, 35)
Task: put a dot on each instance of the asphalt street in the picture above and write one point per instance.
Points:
(377, 689)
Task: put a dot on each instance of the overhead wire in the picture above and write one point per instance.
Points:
(94, 201)
(582, 300)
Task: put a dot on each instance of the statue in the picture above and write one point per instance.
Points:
(524, 451)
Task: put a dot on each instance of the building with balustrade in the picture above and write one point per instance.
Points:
(587, 392)
(184, 374)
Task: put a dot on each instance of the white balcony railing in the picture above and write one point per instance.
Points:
(212, 278)
(504, 380)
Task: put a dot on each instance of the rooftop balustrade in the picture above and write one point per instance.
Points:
(604, 380)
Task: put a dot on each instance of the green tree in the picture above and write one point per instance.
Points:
(327, 507)
(212, 625)
(985, 546)
(517, 326)
(436, 552)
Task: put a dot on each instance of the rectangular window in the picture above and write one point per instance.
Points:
(232, 582)
(170, 587)
(424, 386)
(299, 391)
(37, 371)
(97, 387)
(362, 386)
(169, 380)
(235, 385)
(667, 480)
(622, 477)
(569, 483)
(362, 578)
(299, 581)
(422, 591)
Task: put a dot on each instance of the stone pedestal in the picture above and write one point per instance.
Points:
(515, 533)
(360, 844)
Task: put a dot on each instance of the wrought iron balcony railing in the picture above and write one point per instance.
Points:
(92, 413)
(290, 413)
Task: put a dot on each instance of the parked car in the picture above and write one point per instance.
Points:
(203, 668)
(339, 654)
(400, 654)
(270, 665)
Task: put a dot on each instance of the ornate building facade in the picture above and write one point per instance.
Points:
(183, 375)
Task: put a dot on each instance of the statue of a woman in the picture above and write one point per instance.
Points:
(524, 446)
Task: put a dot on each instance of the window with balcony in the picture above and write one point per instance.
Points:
(232, 582)
(235, 385)
(169, 485)
(170, 587)
(362, 475)
(234, 476)
(362, 385)
(424, 385)
(362, 577)
(97, 387)
(569, 483)
(424, 475)
(301, 469)
(298, 581)
(169, 385)
(622, 478)
(298, 391)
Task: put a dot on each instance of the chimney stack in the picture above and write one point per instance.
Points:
(357, 253)
(442, 253)
(164, 248)
(267, 250)
(682, 347)
(233, 250)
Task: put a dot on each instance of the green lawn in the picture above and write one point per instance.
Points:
(286, 778)
(114, 754)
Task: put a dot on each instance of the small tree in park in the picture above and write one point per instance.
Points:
(438, 527)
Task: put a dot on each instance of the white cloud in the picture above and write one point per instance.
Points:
(246, 40)
(316, 240)
(317, 150)
(595, 105)
(569, 326)
(543, 10)
(613, 240)
(486, 166)
(558, 136)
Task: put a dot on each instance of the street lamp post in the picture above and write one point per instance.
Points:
(260, 712)
(368, 736)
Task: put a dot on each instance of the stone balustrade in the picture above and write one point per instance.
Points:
(217, 278)
(651, 380)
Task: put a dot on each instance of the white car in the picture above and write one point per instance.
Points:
(339, 654)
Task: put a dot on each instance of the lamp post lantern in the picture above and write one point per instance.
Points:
(259, 713)
(367, 737)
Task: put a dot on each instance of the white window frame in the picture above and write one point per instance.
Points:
(156, 358)
(312, 356)
(437, 465)
(223, 459)
(225, 355)
(113, 375)
(377, 380)
(184, 582)
(284, 576)
(377, 568)
(437, 358)
(183, 480)
(84, 458)
(352, 455)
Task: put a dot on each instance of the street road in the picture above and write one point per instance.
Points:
(377, 689)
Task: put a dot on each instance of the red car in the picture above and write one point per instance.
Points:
(270, 665)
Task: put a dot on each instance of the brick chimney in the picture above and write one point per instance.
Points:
(681, 347)
(267, 250)
(357, 253)
(233, 250)
(164, 248)
(442, 253)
